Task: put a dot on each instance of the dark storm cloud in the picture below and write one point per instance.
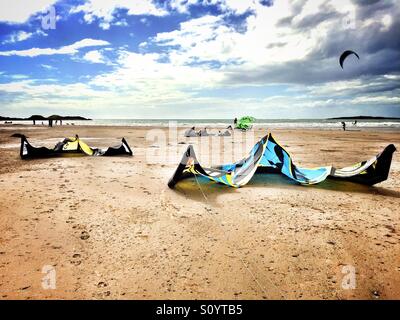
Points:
(367, 9)
(297, 7)
(313, 20)
(366, 41)
(285, 22)
(315, 73)
(365, 86)
(365, 2)
(308, 71)
(326, 12)
(388, 86)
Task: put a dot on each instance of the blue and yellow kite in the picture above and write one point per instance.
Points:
(268, 156)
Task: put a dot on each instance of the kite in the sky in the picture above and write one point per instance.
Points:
(268, 156)
(69, 146)
(345, 54)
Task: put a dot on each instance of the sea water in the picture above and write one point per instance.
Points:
(270, 123)
(223, 123)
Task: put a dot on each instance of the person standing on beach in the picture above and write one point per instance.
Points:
(344, 125)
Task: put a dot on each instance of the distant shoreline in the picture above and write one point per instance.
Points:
(63, 118)
(364, 118)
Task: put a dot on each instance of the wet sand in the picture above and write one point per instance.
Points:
(112, 229)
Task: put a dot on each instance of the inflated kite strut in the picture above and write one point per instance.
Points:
(70, 146)
(268, 156)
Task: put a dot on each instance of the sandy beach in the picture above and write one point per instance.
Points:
(112, 229)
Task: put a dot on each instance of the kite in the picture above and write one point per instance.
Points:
(69, 146)
(345, 54)
(268, 156)
(245, 123)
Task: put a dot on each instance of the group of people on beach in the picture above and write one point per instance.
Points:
(192, 132)
(204, 133)
(344, 124)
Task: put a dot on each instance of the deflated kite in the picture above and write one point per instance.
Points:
(245, 123)
(70, 146)
(268, 156)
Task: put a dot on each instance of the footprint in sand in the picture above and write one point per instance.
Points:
(85, 235)
(76, 260)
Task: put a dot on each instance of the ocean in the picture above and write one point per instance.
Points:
(223, 123)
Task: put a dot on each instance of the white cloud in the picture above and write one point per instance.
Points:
(376, 100)
(201, 39)
(140, 81)
(234, 6)
(182, 6)
(48, 67)
(145, 21)
(210, 38)
(239, 6)
(18, 36)
(18, 76)
(70, 49)
(148, 79)
(121, 23)
(22, 36)
(94, 56)
(19, 11)
(105, 9)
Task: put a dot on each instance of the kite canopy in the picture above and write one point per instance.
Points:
(245, 123)
(70, 146)
(268, 156)
(345, 54)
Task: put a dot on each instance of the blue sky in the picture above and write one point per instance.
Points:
(199, 58)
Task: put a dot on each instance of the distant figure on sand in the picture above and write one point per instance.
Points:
(203, 132)
(224, 134)
(191, 132)
(235, 122)
(344, 125)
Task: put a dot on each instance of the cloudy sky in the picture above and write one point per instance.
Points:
(199, 58)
